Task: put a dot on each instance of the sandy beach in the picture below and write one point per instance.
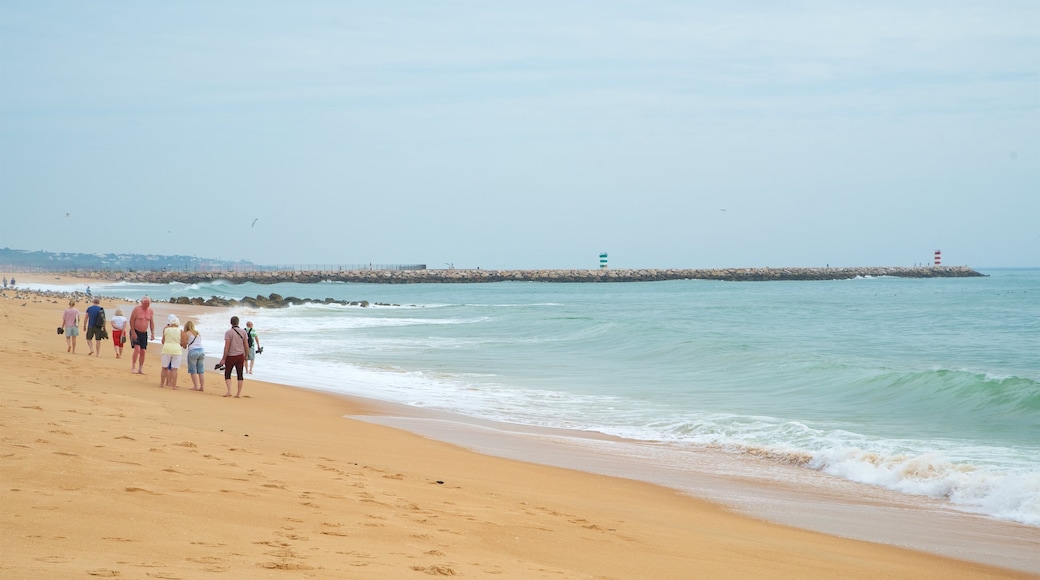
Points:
(107, 475)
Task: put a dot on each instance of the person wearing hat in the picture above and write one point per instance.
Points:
(142, 319)
(171, 352)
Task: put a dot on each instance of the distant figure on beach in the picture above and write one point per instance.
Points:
(70, 321)
(191, 342)
(171, 352)
(235, 347)
(5, 282)
(254, 345)
(119, 332)
(88, 290)
(91, 329)
(142, 320)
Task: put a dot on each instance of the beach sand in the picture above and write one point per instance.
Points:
(106, 475)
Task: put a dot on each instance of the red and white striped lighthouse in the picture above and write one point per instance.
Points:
(938, 258)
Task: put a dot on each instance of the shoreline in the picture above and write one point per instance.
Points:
(805, 499)
(528, 478)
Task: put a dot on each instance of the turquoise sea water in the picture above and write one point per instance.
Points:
(924, 387)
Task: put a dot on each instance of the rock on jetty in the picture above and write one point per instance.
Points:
(599, 275)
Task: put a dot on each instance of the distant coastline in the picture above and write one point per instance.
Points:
(453, 276)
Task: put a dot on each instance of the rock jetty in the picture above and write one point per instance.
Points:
(598, 275)
(271, 301)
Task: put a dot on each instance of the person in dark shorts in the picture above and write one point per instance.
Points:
(91, 329)
(142, 320)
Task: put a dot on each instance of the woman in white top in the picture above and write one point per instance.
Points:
(118, 323)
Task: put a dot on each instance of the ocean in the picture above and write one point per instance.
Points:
(925, 388)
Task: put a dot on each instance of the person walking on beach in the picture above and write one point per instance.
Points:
(171, 352)
(90, 327)
(119, 332)
(235, 347)
(191, 341)
(70, 322)
(142, 320)
(254, 347)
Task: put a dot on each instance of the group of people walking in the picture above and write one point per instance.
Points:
(178, 345)
(93, 328)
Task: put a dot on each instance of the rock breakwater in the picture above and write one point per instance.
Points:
(271, 301)
(599, 275)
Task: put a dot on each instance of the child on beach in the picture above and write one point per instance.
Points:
(118, 328)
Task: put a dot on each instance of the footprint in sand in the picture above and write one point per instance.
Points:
(212, 563)
(333, 529)
(435, 570)
(206, 560)
(285, 566)
(340, 533)
(53, 559)
(209, 544)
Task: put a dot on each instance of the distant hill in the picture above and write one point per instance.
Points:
(28, 261)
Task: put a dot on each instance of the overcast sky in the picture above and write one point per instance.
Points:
(524, 134)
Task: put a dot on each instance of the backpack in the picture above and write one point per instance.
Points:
(99, 320)
(249, 333)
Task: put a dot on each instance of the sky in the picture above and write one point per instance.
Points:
(536, 134)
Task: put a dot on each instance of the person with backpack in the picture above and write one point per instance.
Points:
(254, 347)
(94, 326)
